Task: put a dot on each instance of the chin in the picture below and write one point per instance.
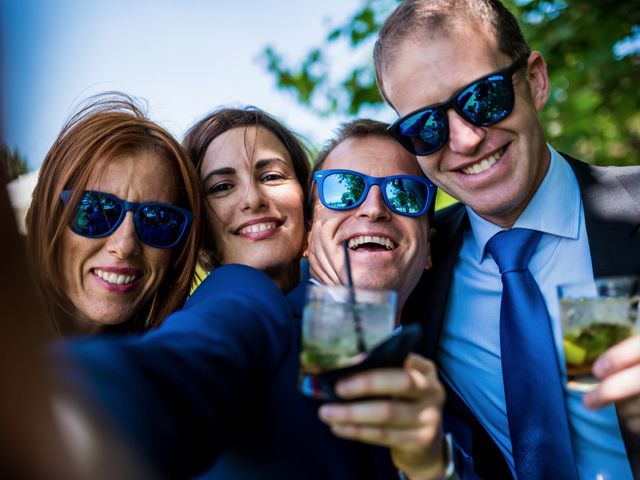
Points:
(110, 321)
(369, 283)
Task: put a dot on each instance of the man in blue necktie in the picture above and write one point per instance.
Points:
(467, 89)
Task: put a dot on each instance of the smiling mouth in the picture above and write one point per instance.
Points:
(372, 242)
(484, 164)
(111, 277)
(258, 227)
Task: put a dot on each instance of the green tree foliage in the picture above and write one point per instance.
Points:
(592, 48)
(13, 163)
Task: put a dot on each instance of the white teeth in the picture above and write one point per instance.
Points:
(483, 164)
(114, 277)
(258, 227)
(355, 242)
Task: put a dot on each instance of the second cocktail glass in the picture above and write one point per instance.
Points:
(595, 316)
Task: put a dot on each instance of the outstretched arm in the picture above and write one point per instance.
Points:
(176, 391)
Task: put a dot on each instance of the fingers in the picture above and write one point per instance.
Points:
(408, 439)
(406, 417)
(408, 426)
(417, 380)
(392, 413)
(619, 372)
(622, 385)
(619, 357)
(405, 410)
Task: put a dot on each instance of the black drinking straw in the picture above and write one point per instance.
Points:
(357, 322)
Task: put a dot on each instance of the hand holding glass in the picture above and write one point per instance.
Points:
(331, 323)
(595, 317)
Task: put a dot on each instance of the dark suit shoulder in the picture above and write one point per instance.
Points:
(296, 298)
(589, 176)
(448, 213)
(447, 223)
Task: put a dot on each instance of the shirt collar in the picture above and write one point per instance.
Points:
(554, 208)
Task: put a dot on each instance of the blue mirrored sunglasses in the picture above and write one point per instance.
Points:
(99, 214)
(482, 103)
(407, 195)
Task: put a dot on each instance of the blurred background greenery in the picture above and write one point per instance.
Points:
(592, 48)
(13, 162)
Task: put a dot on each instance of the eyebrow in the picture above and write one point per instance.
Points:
(260, 164)
(265, 162)
(219, 171)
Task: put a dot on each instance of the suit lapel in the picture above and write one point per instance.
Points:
(428, 302)
(611, 203)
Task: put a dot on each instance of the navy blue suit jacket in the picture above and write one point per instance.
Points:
(213, 391)
(611, 201)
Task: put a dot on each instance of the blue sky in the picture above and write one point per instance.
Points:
(184, 57)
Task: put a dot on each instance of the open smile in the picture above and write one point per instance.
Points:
(115, 278)
(371, 242)
(483, 164)
(258, 227)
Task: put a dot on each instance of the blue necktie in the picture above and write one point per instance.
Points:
(538, 425)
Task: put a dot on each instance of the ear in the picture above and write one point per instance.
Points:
(538, 79)
(305, 248)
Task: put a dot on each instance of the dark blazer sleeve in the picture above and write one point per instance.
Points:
(175, 391)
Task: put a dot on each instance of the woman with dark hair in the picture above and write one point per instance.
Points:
(255, 174)
(114, 226)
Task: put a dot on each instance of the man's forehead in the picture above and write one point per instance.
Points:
(429, 68)
(373, 155)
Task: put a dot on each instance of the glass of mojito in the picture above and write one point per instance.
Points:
(339, 327)
(595, 316)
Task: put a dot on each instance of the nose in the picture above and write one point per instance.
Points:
(254, 199)
(124, 242)
(464, 137)
(374, 207)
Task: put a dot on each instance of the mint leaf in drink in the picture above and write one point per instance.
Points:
(597, 338)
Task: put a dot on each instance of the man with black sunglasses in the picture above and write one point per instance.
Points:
(467, 89)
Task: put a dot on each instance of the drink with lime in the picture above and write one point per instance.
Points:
(595, 317)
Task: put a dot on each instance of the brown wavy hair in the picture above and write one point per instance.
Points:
(203, 132)
(108, 126)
